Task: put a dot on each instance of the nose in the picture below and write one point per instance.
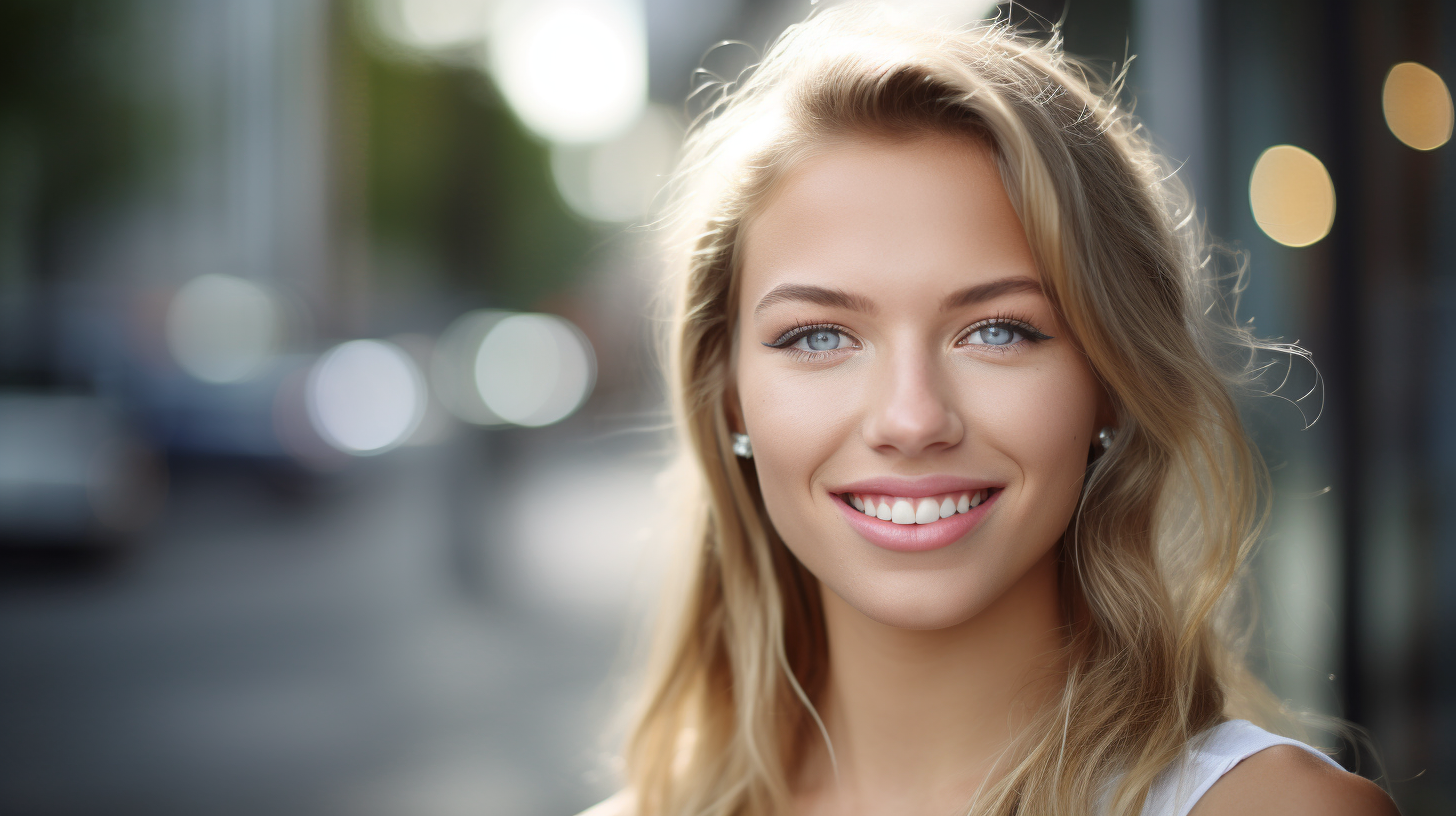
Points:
(912, 409)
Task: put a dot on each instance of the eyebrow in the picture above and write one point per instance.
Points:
(824, 296)
(981, 292)
(818, 295)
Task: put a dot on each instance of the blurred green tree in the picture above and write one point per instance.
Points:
(453, 178)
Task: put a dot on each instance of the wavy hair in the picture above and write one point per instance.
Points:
(1168, 516)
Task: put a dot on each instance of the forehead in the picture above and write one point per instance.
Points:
(881, 216)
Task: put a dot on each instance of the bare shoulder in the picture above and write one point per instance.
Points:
(1289, 781)
(620, 804)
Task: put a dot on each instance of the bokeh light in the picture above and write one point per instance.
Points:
(433, 25)
(435, 423)
(222, 329)
(1292, 196)
(452, 366)
(365, 396)
(1417, 106)
(616, 181)
(534, 369)
(573, 71)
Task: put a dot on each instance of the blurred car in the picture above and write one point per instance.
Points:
(72, 473)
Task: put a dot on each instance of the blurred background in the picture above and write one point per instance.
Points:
(328, 428)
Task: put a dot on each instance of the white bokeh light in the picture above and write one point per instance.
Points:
(222, 329)
(434, 25)
(452, 366)
(616, 181)
(365, 396)
(534, 369)
(575, 71)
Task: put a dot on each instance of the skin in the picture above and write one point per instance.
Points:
(1285, 779)
(937, 658)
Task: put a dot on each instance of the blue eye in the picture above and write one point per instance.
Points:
(813, 340)
(996, 334)
(1001, 333)
(821, 340)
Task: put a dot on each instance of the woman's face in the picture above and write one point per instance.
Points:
(920, 419)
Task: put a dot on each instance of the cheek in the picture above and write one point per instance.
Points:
(1041, 419)
(796, 422)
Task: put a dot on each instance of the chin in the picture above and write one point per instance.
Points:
(909, 601)
(916, 617)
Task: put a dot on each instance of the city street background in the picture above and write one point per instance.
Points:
(330, 433)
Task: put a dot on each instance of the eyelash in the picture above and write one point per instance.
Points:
(1028, 332)
(786, 339)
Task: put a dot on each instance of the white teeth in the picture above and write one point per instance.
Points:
(903, 510)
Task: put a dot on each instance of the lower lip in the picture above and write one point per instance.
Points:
(916, 537)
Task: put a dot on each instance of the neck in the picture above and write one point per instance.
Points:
(920, 718)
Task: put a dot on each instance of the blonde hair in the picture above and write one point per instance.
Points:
(1167, 517)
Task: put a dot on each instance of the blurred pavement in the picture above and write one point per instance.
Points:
(370, 647)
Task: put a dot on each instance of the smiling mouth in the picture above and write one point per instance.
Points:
(924, 510)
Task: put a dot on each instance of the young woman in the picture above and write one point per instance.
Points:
(968, 488)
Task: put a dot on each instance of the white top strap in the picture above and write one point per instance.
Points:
(1211, 755)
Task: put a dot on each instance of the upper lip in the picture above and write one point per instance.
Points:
(915, 486)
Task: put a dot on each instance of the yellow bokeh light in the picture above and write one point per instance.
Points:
(1292, 196)
(1417, 106)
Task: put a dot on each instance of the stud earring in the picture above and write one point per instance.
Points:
(1105, 437)
(742, 446)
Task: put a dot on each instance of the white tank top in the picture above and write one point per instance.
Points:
(1211, 755)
